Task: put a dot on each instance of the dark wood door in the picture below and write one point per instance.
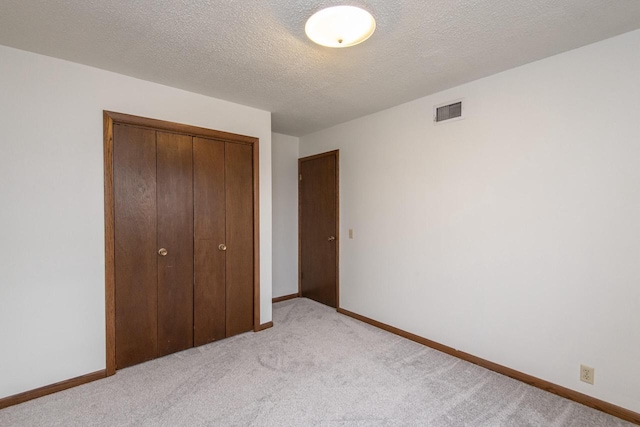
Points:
(239, 237)
(318, 198)
(175, 235)
(209, 320)
(184, 224)
(136, 259)
(153, 194)
(223, 189)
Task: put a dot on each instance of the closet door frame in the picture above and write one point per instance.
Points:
(109, 119)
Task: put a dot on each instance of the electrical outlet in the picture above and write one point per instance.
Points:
(587, 374)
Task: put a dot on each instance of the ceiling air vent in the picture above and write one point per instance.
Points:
(448, 112)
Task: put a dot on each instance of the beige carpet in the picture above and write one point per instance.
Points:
(315, 367)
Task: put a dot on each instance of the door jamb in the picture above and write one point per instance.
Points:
(335, 153)
(109, 119)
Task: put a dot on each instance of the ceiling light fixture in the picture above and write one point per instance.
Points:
(340, 26)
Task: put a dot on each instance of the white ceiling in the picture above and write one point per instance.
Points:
(255, 52)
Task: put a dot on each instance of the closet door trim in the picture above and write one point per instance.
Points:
(109, 119)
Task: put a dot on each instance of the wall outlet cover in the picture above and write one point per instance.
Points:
(587, 374)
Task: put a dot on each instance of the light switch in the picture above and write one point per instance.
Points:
(351, 233)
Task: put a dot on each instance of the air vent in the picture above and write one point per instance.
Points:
(447, 112)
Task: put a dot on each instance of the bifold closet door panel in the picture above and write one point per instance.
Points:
(209, 233)
(175, 235)
(239, 208)
(136, 274)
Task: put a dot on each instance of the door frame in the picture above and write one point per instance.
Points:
(335, 153)
(109, 119)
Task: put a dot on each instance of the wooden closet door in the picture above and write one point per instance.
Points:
(239, 253)
(175, 234)
(209, 233)
(136, 259)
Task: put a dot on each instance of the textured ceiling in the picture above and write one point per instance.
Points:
(255, 52)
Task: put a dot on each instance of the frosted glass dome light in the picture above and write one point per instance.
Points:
(340, 26)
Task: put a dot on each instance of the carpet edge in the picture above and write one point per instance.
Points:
(25, 396)
(567, 393)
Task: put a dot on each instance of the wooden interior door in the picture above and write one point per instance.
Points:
(209, 321)
(135, 254)
(239, 237)
(318, 222)
(181, 237)
(175, 235)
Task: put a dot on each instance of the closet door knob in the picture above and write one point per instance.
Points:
(331, 239)
(222, 247)
(162, 252)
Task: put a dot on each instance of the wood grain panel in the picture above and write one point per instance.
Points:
(109, 246)
(175, 233)
(172, 127)
(318, 223)
(209, 233)
(240, 261)
(134, 183)
(112, 119)
(256, 235)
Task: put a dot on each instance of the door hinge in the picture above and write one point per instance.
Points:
(301, 275)
(300, 177)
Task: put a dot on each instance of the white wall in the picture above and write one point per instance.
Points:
(284, 163)
(514, 234)
(52, 319)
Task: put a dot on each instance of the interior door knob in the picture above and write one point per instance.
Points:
(331, 238)
(162, 252)
(222, 247)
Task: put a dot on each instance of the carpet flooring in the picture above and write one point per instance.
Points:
(315, 367)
